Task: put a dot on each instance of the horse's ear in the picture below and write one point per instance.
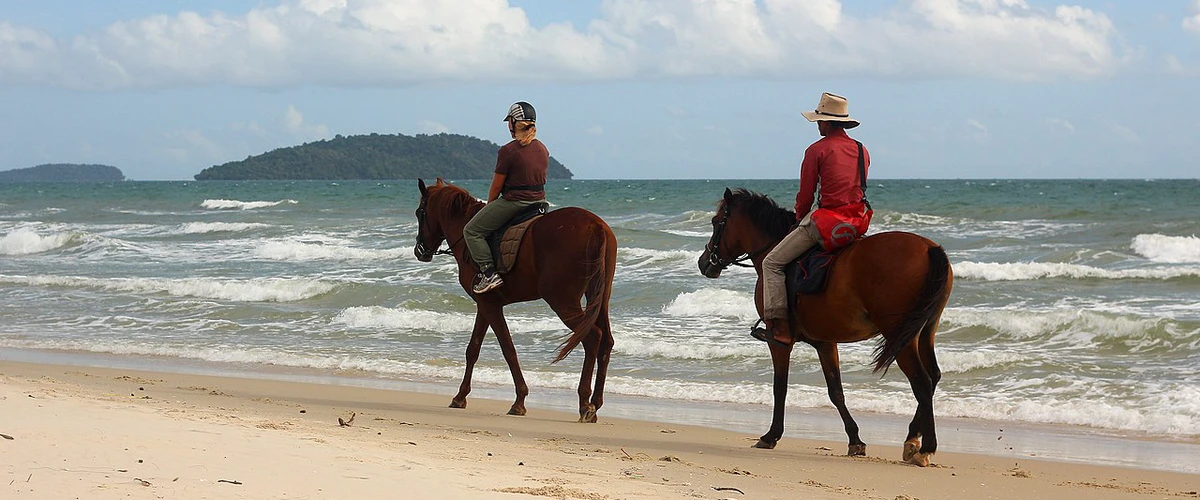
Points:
(440, 182)
(421, 186)
(728, 196)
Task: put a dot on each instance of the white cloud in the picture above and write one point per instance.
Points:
(401, 42)
(294, 120)
(1192, 23)
(1173, 66)
(595, 131)
(1122, 132)
(1061, 123)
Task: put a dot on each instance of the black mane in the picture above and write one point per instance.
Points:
(764, 213)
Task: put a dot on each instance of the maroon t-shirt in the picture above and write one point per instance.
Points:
(523, 166)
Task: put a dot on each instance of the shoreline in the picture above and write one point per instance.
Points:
(998, 439)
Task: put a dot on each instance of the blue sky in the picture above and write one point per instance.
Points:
(624, 88)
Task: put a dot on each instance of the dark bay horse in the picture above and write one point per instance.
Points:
(893, 284)
(566, 255)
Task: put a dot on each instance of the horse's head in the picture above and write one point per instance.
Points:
(427, 242)
(443, 208)
(746, 225)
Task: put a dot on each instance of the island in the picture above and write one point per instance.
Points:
(63, 172)
(374, 157)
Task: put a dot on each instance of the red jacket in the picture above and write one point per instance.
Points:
(830, 164)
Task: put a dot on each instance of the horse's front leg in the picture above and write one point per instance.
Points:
(500, 326)
(831, 366)
(781, 357)
(477, 334)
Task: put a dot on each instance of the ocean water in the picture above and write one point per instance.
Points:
(1076, 303)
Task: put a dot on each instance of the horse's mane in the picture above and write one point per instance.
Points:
(764, 213)
(456, 199)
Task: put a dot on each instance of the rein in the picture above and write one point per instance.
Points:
(421, 246)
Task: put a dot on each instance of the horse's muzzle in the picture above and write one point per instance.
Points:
(708, 265)
(423, 254)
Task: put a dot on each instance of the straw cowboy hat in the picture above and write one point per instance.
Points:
(832, 108)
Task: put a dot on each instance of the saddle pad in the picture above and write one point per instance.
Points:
(808, 274)
(510, 242)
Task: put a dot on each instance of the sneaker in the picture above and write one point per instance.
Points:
(487, 281)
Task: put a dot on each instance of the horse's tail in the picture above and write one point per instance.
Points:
(600, 274)
(929, 303)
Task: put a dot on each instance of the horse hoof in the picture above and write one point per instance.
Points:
(764, 444)
(588, 415)
(856, 450)
(919, 459)
(912, 448)
(455, 403)
(516, 411)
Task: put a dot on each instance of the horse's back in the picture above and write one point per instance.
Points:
(565, 242)
(876, 278)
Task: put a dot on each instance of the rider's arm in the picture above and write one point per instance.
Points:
(497, 186)
(808, 183)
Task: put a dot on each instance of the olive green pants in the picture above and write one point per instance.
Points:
(485, 222)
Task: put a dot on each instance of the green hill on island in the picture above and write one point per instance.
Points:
(375, 156)
(63, 172)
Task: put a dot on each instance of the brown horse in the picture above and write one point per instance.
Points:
(566, 255)
(893, 284)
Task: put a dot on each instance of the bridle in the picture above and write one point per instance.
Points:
(420, 249)
(714, 242)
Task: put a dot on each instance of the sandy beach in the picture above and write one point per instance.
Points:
(100, 433)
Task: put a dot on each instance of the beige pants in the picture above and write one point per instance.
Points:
(802, 238)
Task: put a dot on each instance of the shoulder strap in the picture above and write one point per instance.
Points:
(862, 174)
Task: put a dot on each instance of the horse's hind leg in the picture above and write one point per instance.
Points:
(500, 326)
(602, 357)
(831, 366)
(781, 357)
(921, 442)
(477, 333)
(570, 313)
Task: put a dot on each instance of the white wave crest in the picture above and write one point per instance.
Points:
(376, 317)
(689, 234)
(242, 205)
(25, 241)
(254, 290)
(709, 302)
(1167, 249)
(219, 227)
(1076, 326)
(300, 251)
(1020, 271)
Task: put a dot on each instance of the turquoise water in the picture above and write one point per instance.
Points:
(1075, 302)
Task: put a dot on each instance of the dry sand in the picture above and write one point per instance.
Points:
(96, 433)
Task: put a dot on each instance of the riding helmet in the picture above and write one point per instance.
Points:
(521, 111)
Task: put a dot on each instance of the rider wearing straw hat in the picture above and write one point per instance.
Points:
(829, 179)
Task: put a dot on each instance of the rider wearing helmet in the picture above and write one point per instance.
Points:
(519, 181)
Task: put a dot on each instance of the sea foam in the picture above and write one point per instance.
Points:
(253, 290)
(25, 241)
(1167, 249)
(1021, 271)
(242, 205)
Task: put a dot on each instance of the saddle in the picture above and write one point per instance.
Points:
(506, 240)
(810, 272)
